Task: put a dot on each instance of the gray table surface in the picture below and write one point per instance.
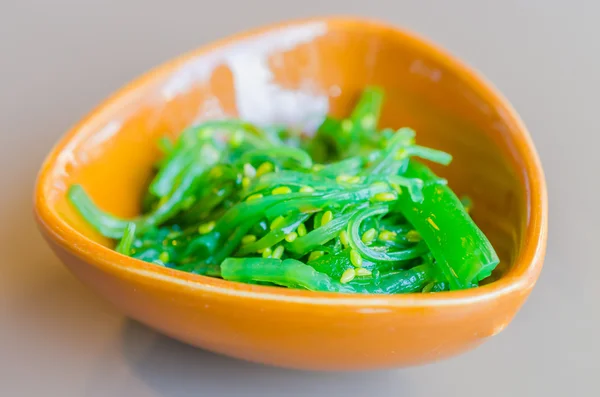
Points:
(59, 58)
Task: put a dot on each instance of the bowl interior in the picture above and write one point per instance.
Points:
(295, 74)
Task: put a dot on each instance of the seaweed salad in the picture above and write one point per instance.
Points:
(351, 209)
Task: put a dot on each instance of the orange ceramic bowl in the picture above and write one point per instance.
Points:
(293, 72)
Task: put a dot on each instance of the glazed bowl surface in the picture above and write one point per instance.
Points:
(295, 73)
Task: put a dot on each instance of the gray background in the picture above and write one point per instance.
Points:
(59, 58)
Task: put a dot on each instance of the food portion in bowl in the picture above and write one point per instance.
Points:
(349, 209)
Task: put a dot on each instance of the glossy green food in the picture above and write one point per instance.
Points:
(350, 210)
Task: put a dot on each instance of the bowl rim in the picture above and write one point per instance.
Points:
(522, 276)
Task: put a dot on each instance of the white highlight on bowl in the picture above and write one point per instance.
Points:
(258, 98)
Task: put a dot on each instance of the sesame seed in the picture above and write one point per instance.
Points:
(291, 237)
(355, 258)
(204, 133)
(236, 139)
(327, 217)
(248, 239)
(254, 197)
(347, 179)
(277, 222)
(368, 122)
(396, 187)
(301, 230)
(278, 252)
(347, 276)
(266, 253)
(361, 271)
(249, 170)
(344, 238)
(400, 154)
(264, 168)
(386, 235)
(164, 257)
(346, 125)
(206, 227)
(385, 196)
(315, 255)
(281, 190)
(306, 189)
(369, 236)
(216, 172)
(432, 223)
(413, 236)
